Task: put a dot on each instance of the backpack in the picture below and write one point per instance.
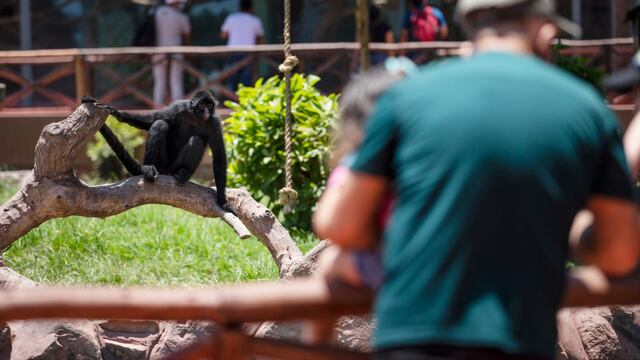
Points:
(424, 24)
(146, 33)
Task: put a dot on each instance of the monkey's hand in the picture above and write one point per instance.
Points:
(182, 176)
(149, 173)
(91, 100)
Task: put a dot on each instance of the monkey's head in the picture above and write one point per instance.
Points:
(203, 105)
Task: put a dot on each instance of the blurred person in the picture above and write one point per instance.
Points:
(627, 81)
(485, 193)
(242, 28)
(356, 268)
(379, 32)
(633, 17)
(423, 23)
(172, 29)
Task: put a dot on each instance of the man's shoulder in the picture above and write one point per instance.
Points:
(537, 71)
(563, 81)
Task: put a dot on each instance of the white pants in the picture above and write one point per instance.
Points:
(161, 64)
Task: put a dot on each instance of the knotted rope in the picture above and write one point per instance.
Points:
(288, 196)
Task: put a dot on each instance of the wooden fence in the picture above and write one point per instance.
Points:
(123, 75)
(230, 307)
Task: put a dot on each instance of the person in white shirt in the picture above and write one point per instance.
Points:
(172, 29)
(242, 28)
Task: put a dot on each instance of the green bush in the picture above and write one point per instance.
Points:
(255, 137)
(103, 157)
(579, 66)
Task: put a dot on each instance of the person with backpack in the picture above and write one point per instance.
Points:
(423, 23)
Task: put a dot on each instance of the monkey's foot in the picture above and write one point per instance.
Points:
(227, 208)
(182, 176)
(149, 173)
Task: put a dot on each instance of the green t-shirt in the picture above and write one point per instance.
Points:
(490, 159)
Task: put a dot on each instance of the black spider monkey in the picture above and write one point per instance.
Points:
(176, 141)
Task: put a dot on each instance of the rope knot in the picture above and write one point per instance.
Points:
(289, 64)
(288, 198)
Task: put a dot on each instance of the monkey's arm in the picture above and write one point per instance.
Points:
(216, 142)
(142, 122)
(129, 162)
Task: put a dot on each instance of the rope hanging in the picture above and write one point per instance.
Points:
(288, 196)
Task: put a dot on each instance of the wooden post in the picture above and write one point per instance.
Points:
(81, 80)
(231, 344)
(362, 20)
(3, 94)
(26, 43)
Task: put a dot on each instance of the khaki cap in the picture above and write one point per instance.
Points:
(546, 8)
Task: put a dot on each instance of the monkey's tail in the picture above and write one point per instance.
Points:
(127, 160)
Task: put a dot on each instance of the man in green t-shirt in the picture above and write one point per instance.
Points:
(489, 159)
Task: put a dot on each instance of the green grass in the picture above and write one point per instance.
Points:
(153, 245)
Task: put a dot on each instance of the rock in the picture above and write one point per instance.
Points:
(353, 332)
(176, 336)
(569, 342)
(281, 331)
(5, 342)
(598, 337)
(115, 350)
(599, 334)
(55, 340)
(128, 340)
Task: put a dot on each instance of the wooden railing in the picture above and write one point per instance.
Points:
(230, 307)
(122, 76)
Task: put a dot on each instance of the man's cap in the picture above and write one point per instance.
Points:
(622, 81)
(546, 8)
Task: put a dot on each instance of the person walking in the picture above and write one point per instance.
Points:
(379, 32)
(172, 29)
(423, 23)
(242, 28)
(485, 193)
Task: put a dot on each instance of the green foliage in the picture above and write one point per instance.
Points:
(255, 136)
(579, 66)
(104, 158)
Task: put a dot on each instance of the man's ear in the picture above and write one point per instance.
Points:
(542, 42)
